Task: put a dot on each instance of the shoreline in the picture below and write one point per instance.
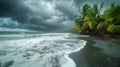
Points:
(100, 36)
(78, 57)
(98, 53)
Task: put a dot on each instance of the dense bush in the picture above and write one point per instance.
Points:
(114, 29)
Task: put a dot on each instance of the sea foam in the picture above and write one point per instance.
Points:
(45, 50)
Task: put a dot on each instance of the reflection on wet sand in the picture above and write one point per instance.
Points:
(96, 54)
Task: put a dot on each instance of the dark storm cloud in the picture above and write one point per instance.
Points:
(67, 8)
(38, 14)
(6, 8)
(12, 8)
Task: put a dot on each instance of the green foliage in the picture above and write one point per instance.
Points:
(78, 22)
(112, 12)
(101, 26)
(94, 12)
(95, 9)
(85, 10)
(77, 29)
(101, 5)
(92, 20)
(112, 5)
(114, 29)
(91, 25)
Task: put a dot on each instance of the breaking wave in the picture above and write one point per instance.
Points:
(44, 50)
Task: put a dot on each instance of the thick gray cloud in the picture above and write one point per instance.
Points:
(43, 15)
(46, 15)
(13, 9)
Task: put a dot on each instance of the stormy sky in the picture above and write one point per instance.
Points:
(42, 15)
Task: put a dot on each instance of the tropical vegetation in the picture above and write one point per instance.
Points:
(93, 20)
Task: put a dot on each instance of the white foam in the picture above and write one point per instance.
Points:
(48, 50)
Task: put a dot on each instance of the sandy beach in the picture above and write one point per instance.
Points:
(98, 53)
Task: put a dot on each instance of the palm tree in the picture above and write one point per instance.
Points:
(85, 10)
(95, 12)
(89, 17)
(80, 21)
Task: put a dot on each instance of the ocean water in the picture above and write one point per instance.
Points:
(39, 50)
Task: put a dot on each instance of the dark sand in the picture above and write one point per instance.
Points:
(98, 53)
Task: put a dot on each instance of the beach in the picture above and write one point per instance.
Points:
(98, 53)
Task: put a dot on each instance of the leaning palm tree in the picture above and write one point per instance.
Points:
(79, 23)
(95, 16)
(85, 10)
(89, 17)
(95, 11)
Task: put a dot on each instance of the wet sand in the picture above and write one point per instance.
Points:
(98, 53)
